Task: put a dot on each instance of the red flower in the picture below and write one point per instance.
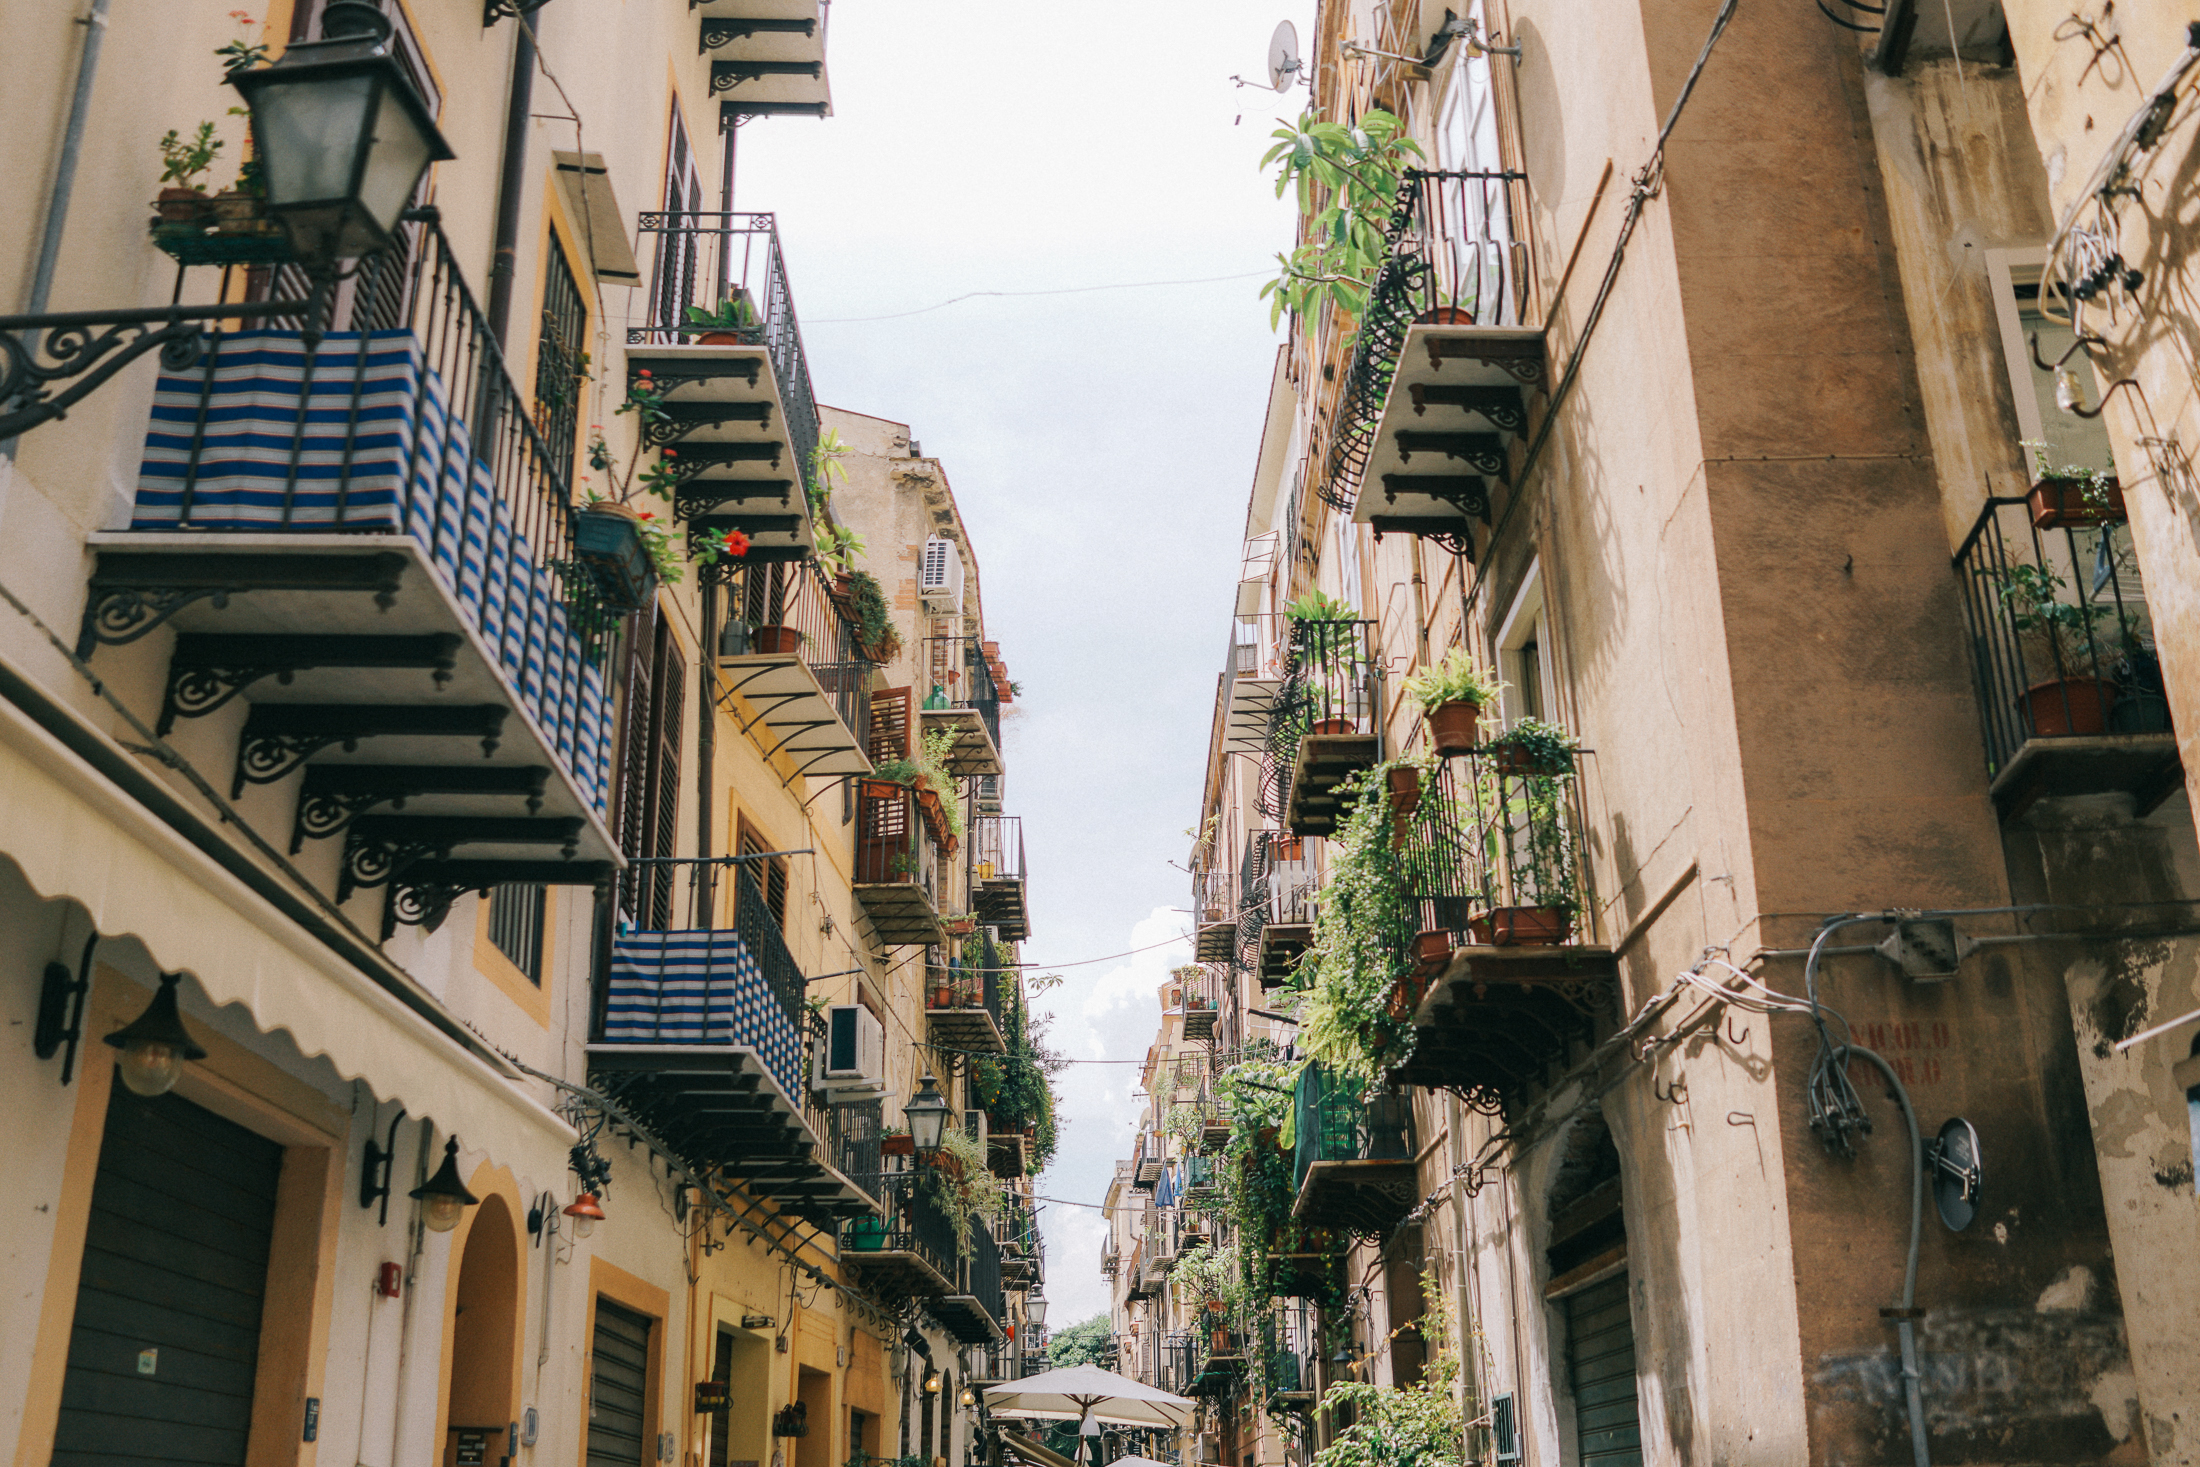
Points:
(643, 373)
(736, 543)
(644, 514)
(672, 453)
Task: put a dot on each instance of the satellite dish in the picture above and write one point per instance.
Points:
(1283, 56)
(1952, 1164)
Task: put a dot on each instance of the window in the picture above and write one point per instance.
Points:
(649, 795)
(1524, 653)
(770, 876)
(561, 354)
(515, 926)
(678, 260)
(2069, 439)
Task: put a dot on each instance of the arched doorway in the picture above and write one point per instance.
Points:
(484, 1339)
(1587, 1256)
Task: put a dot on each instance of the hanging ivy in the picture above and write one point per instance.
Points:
(1363, 938)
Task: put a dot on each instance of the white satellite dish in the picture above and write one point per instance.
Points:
(1283, 56)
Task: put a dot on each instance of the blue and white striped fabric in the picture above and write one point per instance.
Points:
(375, 448)
(699, 987)
(1165, 1192)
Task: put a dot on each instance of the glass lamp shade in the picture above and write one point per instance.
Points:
(342, 139)
(1035, 1310)
(926, 1114)
(932, 1383)
(968, 1397)
(586, 1212)
(155, 1044)
(443, 1197)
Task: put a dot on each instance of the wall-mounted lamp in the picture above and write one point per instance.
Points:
(586, 1212)
(968, 1398)
(932, 1383)
(374, 1170)
(155, 1044)
(444, 1198)
(61, 1010)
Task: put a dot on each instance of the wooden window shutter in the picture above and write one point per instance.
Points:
(649, 795)
(770, 876)
(889, 725)
(671, 681)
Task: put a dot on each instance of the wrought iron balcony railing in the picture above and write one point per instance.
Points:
(1325, 723)
(797, 660)
(997, 886)
(961, 698)
(1277, 899)
(2070, 691)
(708, 259)
(1454, 258)
(1491, 850)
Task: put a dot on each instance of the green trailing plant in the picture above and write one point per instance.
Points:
(185, 157)
(1319, 606)
(1363, 939)
(868, 600)
(737, 313)
(1541, 745)
(1456, 677)
(985, 1082)
(1402, 1426)
(934, 751)
(900, 771)
(1347, 180)
(968, 1192)
(1209, 1274)
(1527, 834)
(1028, 1068)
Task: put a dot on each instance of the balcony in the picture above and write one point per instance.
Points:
(1138, 1281)
(1216, 1367)
(963, 701)
(1200, 993)
(1441, 376)
(700, 1036)
(1326, 723)
(1290, 1337)
(1020, 1248)
(368, 547)
(2062, 655)
(795, 679)
(962, 1009)
(898, 865)
(1506, 970)
(767, 57)
(1354, 1162)
(741, 420)
(1214, 907)
(997, 875)
(975, 1311)
(1252, 677)
(909, 1252)
(1276, 900)
(1146, 1163)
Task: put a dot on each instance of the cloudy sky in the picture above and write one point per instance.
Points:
(1101, 443)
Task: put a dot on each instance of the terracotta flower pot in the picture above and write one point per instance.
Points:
(181, 206)
(1452, 726)
(1523, 927)
(718, 338)
(1516, 759)
(1405, 790)
(1410, 988)
(902, 1145)
(1335, 726)
(943, 997)
(1445, 316)
(2062, 707)
(776, 641)
(2058, 503)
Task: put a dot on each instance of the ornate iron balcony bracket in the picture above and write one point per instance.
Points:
(74, 345)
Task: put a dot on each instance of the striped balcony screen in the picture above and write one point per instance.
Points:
(699, 987)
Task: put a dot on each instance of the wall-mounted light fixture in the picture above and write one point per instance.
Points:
(374, 1170)
(443, 1197)
(932, 1383)
(155, 1044)
(61, 1010)
(586, 1212)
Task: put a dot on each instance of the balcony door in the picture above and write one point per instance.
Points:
(679, 260)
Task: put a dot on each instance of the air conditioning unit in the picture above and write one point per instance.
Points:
(989, 794)
(854, 1051)
(940, 576)
(974, 1124)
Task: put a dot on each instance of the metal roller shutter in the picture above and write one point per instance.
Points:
(618, 1386)
(166, 1338)
(1600, 1365)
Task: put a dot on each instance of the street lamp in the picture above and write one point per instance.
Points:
(155, 1044)
(926, 1114)
(1035, 1310)
(342, 137)
(586, 1212)
(444, 1197)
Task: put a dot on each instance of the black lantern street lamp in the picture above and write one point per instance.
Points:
(341, 136)
(443, 1197)
(155, 1044)
(1035, 1310)
(342, 139)
(926, 1113)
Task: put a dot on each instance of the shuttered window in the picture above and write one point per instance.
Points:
(1600, 1368)
(649, 798)
(561, 356)
(617, 1388)
(515, 925)
(770, 876)
(721, 1370)
(889, 737)
(167, 1333)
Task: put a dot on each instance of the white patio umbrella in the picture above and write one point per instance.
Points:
(1088, 1395)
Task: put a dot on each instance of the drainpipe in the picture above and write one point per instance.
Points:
(64, 173)
(511, 179)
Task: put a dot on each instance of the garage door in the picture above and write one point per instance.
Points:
(1600, 1363)
(618, 1381)
(167, 1331)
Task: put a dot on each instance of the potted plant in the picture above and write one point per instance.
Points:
(776, 641)
(1532, 746)
(1319, 620)
(1452, 695)
(732, 322)
(2075, 701)
(2071, 495)
(1404, 781)
(1531, 886)
(622, 550)
(184, 159)
(897, 1142)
